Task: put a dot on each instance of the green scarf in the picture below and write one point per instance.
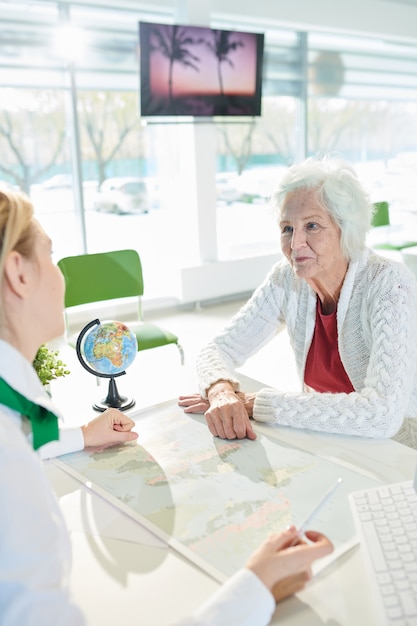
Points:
(44, 422)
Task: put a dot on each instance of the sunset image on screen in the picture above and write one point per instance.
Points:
(199, 71)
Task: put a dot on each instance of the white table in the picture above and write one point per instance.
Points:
(121, 574)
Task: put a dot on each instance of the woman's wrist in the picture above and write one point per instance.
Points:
(220, 386)
(248, 401)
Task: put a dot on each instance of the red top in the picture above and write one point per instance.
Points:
(324, 370)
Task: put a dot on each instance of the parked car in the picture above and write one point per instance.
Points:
(59, 181)
(122, 195)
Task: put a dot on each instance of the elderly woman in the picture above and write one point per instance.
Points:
(350, 316)
(34, 544)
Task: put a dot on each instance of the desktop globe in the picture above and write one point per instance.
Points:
(110, 348)
(106, 350)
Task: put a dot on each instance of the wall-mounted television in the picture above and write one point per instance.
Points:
(199, 71)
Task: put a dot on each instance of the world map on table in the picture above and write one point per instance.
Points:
(216, 500)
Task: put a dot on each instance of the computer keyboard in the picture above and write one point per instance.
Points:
(386, 521)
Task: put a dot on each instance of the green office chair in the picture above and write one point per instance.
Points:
(381, 218)
(109, 276)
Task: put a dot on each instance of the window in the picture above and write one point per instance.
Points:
(70, 121)
(362, 104)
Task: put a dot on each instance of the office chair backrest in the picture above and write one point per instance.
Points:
(101, 276)
(381, 214)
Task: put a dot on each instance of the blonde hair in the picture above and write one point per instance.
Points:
(16, 228)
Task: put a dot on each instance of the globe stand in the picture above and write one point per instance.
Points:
(113, 399)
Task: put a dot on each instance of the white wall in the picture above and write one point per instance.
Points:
(387, 18)
(225, 278)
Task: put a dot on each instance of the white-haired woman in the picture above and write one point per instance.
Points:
(351, 317)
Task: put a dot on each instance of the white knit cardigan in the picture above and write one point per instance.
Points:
(377, 340)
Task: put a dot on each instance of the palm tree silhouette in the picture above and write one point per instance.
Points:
(173, 43)
(222, 47)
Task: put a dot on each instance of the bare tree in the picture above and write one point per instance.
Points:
(107, 119)
(32, 135)
(277, 127)
(239, 146)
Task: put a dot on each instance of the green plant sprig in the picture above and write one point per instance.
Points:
(48, 366)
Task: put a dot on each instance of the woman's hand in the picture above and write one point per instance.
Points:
(227, 416)
(291, 585)
(227, 412)
(108, 429)
(194, 403)
(284, 569)
(248, 400)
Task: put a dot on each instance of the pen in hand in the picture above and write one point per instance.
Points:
(320, 504)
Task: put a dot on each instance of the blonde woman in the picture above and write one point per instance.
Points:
(34, 544)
